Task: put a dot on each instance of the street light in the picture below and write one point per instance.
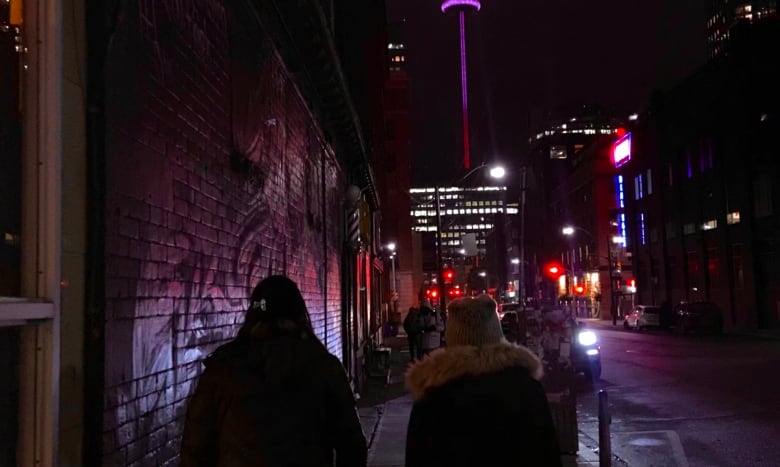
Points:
(495, 171)
(394, 289)
(391, 248)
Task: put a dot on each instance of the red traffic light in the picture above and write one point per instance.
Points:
(553, 270)
(449, 274)
(432, 293)
(579, 289)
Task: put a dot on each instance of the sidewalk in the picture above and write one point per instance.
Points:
(384, 413)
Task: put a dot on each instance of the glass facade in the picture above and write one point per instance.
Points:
(10, 153)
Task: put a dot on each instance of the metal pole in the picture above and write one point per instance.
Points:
(439, 272)
(522, 236)
(612, 307)
(392, 272)
(605, 419)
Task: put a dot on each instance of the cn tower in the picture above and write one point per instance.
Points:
(461, 6)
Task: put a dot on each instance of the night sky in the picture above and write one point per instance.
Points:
(528, 58)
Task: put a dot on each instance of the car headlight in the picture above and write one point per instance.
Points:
(587, 338)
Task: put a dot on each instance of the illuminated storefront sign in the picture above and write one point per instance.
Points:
(621, 150)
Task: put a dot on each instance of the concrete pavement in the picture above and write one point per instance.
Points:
(384, 413)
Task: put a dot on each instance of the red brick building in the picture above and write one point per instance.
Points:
(172, 155)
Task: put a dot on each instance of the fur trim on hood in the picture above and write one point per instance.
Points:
(452, 363)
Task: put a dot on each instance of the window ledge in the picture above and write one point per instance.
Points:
(20, 311)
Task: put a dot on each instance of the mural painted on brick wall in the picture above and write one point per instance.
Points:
(217, 177)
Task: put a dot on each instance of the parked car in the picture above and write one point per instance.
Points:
(698, 317)
(642, 316)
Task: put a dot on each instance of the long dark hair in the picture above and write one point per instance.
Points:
(277, 308)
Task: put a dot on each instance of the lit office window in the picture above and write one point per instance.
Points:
(732, 218)
(710, 225)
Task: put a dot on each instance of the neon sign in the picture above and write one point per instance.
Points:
(621, 150)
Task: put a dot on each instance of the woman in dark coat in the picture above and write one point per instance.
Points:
(274, 396)
(479, 401)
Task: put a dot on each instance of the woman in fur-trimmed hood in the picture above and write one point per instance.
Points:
(479, 400)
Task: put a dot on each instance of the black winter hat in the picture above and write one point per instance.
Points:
(276, 299)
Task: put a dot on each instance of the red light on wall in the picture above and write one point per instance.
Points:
(621, 150)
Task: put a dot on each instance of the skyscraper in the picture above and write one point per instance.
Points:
(725, 14)
(396, 48)
(461, 7)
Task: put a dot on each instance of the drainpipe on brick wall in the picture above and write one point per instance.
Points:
(101, 25)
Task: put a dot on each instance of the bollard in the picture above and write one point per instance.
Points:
(605, 445)
(605, 419)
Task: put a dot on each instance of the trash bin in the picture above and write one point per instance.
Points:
(563, 407)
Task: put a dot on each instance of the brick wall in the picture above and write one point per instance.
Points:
(194, 92)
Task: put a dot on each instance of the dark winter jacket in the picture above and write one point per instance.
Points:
(282, 402)
(480, 406)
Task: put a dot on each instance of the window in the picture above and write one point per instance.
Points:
(670, 230)
(10, 158)
(693, 268)
(732, 218)
(638, 188)
(710, 225)
(649, 182)
(30, 147)
(705, 155)
(558, 152)
(689, 164)
(689, 228)
(738, 267)
(762, 197)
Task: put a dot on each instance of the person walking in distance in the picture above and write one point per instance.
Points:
(274, 396)
(479, 400)
(432, 327)
(413, 328)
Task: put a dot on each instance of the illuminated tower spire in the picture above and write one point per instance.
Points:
(461, 6)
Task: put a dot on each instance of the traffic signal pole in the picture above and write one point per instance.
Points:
(522, 236)
(439, 265)
(612, 304)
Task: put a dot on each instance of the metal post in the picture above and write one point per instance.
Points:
(439, 272)
(605, 419)
(612, 307)
(394, 295)
(522, 236)
(392, 272)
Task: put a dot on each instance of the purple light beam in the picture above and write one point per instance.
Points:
(464, 92)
